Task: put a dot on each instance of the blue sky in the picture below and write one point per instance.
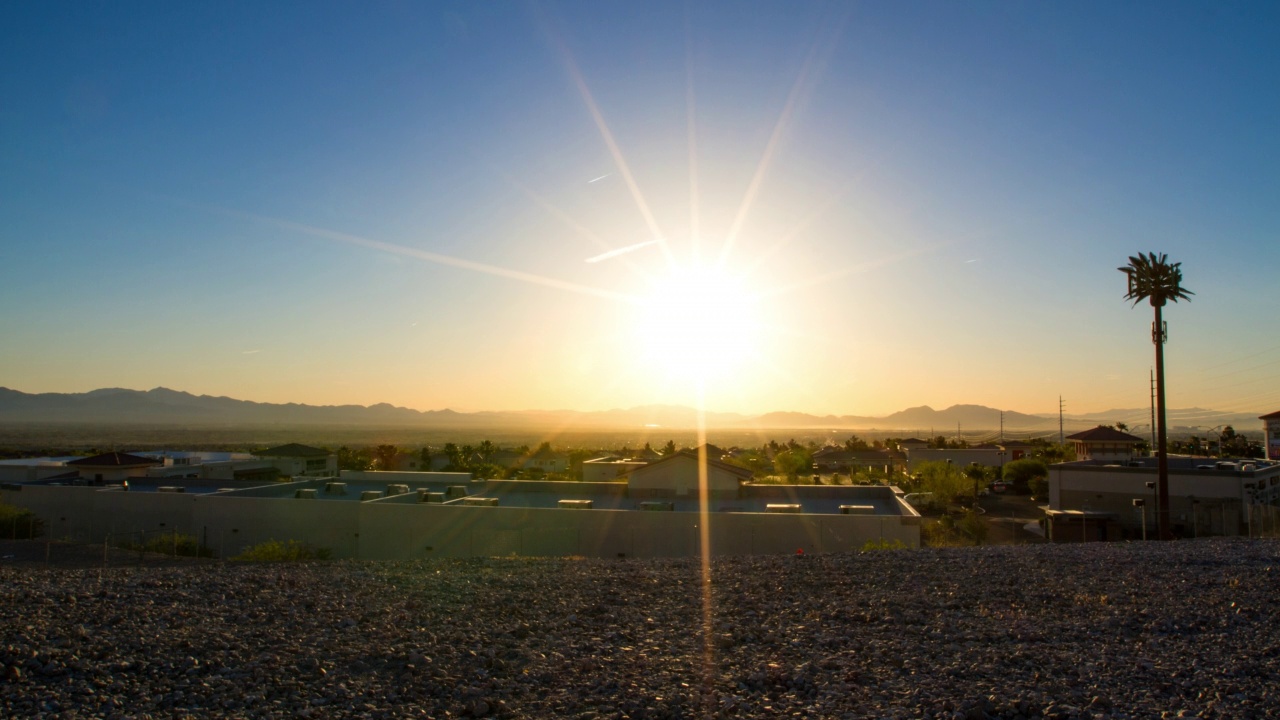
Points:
(918, 203)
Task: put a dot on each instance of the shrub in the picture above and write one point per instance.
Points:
(973, 526)
(19, 523)
(287, 551)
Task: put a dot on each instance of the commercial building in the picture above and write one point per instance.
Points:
(1206, 496)
(658, 511)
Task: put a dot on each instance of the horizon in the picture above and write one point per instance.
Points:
(1123, 415)
(830, 210)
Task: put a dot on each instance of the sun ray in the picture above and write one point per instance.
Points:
(804, 81)
(416, 253)
(762, 258)
(834, 275)
(695, 237)
(564, 217)
(704, 542)
(575, 74)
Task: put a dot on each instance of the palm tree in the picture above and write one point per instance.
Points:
(1155, 279)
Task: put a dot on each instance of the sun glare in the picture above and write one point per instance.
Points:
(697, 323)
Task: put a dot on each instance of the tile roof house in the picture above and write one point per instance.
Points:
(677, 476)
(1104, 443)
(295, 459)
(113, 466)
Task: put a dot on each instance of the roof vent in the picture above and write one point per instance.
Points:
(456, 491)
(575, 504)
(480, 501)
(370, 495)
(335, 488)
(305, 493)
(657, 506)
(425, 496)
(397, 489)
(781, 508)
(857, 510)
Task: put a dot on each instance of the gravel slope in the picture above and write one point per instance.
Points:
(1180, 629)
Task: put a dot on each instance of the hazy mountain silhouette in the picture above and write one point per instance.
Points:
(164, 406)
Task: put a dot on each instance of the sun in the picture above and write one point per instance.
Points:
(697, 322)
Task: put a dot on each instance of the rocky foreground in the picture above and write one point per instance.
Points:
(1186, 629)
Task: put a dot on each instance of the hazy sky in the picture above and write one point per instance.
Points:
(846, 208)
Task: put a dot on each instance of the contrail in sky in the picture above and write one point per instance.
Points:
(621, 251)
(599, 178)
(402, 251)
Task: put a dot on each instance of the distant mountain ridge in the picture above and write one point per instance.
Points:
(165, 406)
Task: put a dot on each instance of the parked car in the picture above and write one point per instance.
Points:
(919, 500)
(999, 486)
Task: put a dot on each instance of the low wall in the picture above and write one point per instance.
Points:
(393, 531)
(231, 522)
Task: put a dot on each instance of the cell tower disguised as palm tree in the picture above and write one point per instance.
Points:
(1152, 277)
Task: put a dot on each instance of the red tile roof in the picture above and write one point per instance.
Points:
(1105, 434)
(1271, 416)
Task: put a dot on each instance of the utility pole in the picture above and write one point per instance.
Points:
(1001, 427)
(1062, 439)
(1153, 408)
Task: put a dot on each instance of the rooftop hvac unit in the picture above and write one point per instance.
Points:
(171, 489)
(480, 501)
(456, 491)
(575, 504)
(370, 495)
(857, 510)
(657, 506)
(781, 508)
(305, 493)
(397, 489)
(335, 488)
(430, 497)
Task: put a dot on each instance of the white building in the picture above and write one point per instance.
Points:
(1206, 496)
(1271, 432)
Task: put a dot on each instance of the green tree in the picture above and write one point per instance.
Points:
(358, 460)
(793, 461)
(977, 474)
(487, 450)
(669, 448)
(454, 455)
(1020, 473)
(1154, 279)
(855, 443)
(946, 481)
(384, 457)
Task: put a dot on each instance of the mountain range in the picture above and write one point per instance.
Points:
(164, 406)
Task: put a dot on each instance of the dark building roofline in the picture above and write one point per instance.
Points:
(115, 459)
(1105, 434)
(294, 450)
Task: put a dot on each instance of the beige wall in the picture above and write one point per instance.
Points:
(679, 478)
(388, 529)
(402, 531)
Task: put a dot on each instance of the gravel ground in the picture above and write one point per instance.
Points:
(1141, 630)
